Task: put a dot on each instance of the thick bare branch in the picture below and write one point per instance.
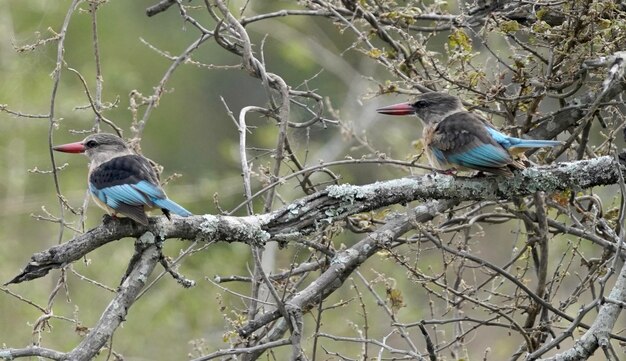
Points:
(335, 203)
(147, 256)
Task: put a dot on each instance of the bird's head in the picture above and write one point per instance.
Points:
(429, 107)
(101, 146)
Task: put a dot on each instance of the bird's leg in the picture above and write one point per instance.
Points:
(450, 171)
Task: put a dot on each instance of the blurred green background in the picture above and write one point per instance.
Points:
(188, 133)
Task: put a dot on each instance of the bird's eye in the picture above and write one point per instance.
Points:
(420, 104)
(91, 144)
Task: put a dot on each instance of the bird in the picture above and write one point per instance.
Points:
(120, 181)
(455, 138)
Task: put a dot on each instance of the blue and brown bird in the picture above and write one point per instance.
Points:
(122, 182)
(455, 138)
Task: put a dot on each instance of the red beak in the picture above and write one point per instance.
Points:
(397, 109)
(77, 147)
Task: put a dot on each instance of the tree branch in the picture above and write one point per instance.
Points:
(347, 261)
(335, 203)
(13, 353)
(147, 257)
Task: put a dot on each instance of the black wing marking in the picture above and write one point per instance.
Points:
(127, 169)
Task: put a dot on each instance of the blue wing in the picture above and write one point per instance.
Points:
(481, 156)
(128, 185)
(140, 194)
(465, 140)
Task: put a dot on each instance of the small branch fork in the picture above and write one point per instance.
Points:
(148, 254)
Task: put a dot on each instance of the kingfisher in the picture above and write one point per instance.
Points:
(455, 138)
(120, 181)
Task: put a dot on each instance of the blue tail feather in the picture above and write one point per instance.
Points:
(533, 143)
(172, 207)
(512, 142)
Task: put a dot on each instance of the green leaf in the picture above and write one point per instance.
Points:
(460, 39)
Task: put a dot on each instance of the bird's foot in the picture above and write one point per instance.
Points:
(449, 171)
(109, 218)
